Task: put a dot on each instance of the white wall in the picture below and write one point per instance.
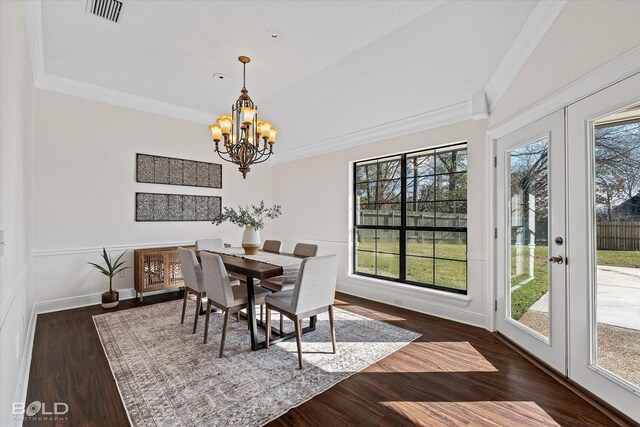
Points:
(585, 36)
(84, 189)
(314, 193)
(16, 137)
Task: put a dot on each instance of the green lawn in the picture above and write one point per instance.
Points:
(452, 274)
(619, 258)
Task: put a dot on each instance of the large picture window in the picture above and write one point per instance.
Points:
(410, 218)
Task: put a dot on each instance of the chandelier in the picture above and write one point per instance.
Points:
(241, 133)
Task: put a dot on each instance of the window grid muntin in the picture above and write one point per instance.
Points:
(403, 228)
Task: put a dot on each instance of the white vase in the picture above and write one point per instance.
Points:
(250, 240)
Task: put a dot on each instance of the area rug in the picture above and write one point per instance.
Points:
(167, 376)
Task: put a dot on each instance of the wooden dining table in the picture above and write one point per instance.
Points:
(259, 270)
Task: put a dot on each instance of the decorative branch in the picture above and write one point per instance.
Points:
(249, 216)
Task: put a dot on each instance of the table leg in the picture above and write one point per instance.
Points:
(251, 316)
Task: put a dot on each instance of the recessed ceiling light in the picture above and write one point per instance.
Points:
(273, 35)
(219, 76)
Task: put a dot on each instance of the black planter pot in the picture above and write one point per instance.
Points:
(110, 299)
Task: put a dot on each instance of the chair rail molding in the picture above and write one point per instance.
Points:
(86, 250)
(539, 22)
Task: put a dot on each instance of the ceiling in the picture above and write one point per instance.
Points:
(336, 68)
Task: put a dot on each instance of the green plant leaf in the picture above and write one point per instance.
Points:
(101, 268)
(107, 259)
(121, 255)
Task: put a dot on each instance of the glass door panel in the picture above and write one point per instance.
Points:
(529, 207)
(603, 197)
(530, 233)
(616, 328)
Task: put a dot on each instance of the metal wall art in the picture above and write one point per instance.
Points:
(177, 207)
(167, 170)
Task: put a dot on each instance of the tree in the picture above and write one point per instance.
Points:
(617, 166)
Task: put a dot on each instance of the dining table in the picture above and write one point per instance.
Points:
(259, 270)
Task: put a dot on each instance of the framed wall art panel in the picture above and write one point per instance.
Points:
(168, 170)
(176, 207)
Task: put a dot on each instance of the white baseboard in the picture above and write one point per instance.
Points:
(421, 306)
(86, 300)
(25, 364)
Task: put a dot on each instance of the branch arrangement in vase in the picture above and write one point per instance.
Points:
(249, 216)
(252, 219)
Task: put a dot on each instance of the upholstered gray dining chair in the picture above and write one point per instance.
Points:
(220, 293)
(192, 274)
(209, 244)
(276, 284)
(313, 293)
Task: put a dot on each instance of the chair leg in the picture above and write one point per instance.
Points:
(261, 307)
(333, 329)
(298, 339)
(184, 304)
(224, 331)
(206, 324)
(238, 316)
(198, 304)
(281, 325)
(267, 330)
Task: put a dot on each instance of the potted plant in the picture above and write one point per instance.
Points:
(110, 299)
(252, 219)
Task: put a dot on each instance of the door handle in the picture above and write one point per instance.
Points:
(556, 259)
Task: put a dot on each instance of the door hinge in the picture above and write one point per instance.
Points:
(495, 233)
(495, 162)
(495, 305)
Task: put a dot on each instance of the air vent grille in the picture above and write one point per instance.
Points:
(107, 9)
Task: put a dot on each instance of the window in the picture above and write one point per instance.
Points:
(410, 218)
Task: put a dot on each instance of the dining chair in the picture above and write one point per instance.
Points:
(209, 244)
(276, 284)
(220, 293)
(313, 293)
(272, 246)
(192, 274)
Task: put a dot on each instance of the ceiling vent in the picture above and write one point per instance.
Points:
(106, 9)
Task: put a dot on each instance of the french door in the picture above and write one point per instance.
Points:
(568, 242)
(530, 221)
(603, 133)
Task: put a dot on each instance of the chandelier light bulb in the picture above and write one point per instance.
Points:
(225, 123)
(272, 135)
(216, 132)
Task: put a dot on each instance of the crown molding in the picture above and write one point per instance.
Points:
(441, 117)
(122, 99)
(608, 74)
(41, 79)
(541, 19)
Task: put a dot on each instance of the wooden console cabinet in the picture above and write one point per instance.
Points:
(157, 268)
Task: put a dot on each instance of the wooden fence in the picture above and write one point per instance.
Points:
(618, 236)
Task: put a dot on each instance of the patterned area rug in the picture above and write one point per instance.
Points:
(168, 377)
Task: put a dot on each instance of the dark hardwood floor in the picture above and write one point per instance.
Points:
(453, 374)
